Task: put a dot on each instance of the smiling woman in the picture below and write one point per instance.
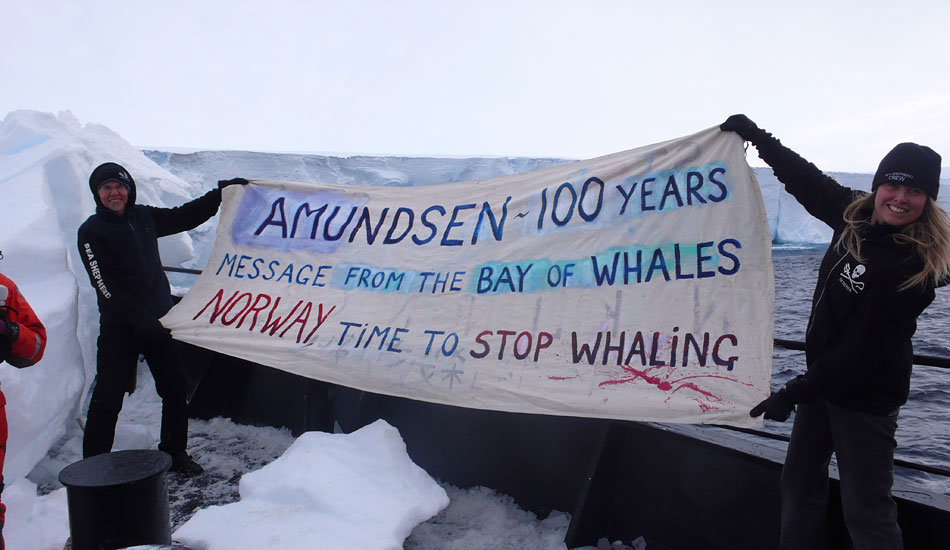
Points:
(900, 194)
(903, 196)
(890, 250)
(898, 204)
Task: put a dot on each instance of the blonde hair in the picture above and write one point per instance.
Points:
(930, 235)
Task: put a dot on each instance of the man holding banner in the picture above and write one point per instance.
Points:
(119, 247)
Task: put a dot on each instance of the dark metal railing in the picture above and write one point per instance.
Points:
(925, 360)
(182, 270)
(897, 461)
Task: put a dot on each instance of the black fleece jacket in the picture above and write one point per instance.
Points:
(858, 341)
(121, 256)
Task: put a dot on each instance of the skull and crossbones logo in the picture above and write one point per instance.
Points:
(852, 277)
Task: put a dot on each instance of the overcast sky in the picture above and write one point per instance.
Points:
(840, 82)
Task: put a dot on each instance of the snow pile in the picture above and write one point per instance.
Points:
(475, 518)
(34, 522)
(477, 515)
(359, 490)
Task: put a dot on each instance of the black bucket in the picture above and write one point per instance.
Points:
(118, 500)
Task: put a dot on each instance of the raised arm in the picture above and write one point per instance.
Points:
(822, 196)
(190, 215)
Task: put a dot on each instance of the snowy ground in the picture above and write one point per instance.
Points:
(475, 518)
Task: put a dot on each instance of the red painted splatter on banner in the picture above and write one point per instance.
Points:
(665, 381)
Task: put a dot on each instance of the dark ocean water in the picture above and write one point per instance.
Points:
(923, 433)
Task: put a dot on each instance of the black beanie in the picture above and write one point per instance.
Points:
(107, 172)
(910, 164)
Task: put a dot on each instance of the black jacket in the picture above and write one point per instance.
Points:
(858, 341)
(120, 254)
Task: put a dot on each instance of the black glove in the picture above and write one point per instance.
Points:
(777, 407)
(234, 181)
(150, 331)
(9, 330)
(741, 125)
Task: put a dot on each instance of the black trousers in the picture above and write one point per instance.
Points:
(116, 358)
(864, 444)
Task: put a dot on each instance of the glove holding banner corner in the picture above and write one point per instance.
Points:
(776, 407)
(741, 125)
(780, 404)
(150, 330)
(233, 181)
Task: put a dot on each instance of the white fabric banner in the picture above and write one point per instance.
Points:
(633, 286)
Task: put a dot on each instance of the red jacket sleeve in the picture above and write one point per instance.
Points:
(29, 338)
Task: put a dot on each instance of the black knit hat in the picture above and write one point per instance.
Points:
(910, 164)
(110, 171)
